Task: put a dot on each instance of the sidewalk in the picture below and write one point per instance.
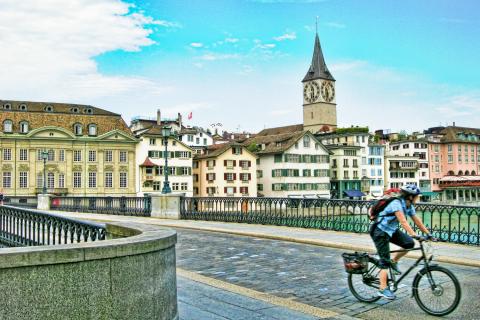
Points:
(444, 252)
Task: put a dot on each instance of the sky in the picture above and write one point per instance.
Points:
(238, 65)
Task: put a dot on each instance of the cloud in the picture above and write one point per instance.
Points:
(286, 36)
(48, 48)
(335, 25)
(231, 40)
(259, 44)
(196, 44)
(211, 56)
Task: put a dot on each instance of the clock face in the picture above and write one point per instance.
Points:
(328, 91)
(311, 91)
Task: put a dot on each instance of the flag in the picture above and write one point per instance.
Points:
(189, 116)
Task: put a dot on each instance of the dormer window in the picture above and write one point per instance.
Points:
(49, 109)
(92, 129)
(7, 126)
(88, 111)
(75, 110)
(24, 127)
(7, 106)
(22, 107)
(77, 129)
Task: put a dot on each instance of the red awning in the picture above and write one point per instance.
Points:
(147, 163)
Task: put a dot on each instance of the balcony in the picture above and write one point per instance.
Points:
(400, 168)
(148, 177)
(55, 191)
(210, 168)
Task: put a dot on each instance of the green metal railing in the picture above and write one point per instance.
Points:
(452, 223)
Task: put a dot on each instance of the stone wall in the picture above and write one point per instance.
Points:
(123, 278)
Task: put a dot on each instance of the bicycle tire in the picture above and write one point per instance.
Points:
(354, 283)
(436, 271)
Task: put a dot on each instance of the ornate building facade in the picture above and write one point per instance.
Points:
(89, 151)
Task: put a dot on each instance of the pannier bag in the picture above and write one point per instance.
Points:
(355, 262)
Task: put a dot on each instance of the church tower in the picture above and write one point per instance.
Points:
(319, 105)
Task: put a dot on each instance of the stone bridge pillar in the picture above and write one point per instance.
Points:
(166, 206)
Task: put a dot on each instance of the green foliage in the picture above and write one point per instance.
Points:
(352, 130)
(253, 147)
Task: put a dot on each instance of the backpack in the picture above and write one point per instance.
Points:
(381, 204)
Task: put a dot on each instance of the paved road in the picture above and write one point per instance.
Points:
(308, 274)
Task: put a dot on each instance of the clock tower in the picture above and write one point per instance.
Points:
(319, 104)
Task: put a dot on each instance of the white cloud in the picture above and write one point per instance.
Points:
(211, 56)
(259, 44)
(196, 44)
(231, 40)
(335, 25)
(286, 36)
(48, 48)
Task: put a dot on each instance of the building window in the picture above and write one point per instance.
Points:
(24, 127)
(61, 155)
(184, 186)
(51, 155)
(39, 180)
(92, 179)
(345, 162)
(7, 179)
(61, 180)
(77, 179)
(77, 129)
(108, 155)
(190, 138)
(153, 141)
(7, 106)
(92, 155)
(23, 179)
(123, 156)
(244, 191)
(108, 179)
(23, 154)
(88, 111)
(92, 129)
(7, 154)
(7, 126)
(123, 179)
(306, 142)
(204, 141)
(49, 109)
(50, 180)
(77, 155)
(197, 140)
(237, 150)
(245, 176)
(156, 186)
(229, 176)
(175, 186)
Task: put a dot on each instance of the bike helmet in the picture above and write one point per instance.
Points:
(411, 189)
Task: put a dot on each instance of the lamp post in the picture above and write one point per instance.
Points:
(44, 157)
(166, 132)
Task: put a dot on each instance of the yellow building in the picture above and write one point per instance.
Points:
(225, 170)
(91, 151)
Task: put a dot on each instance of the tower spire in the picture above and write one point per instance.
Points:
(318, 69)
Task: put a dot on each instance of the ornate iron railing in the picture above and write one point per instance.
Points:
(23, 227)
(459, 224)
(21, 201)
(133, 206)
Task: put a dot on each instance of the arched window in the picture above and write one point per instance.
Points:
(460, 173)
(7, 126)
(75, 110)
(22, 107)
(88, 111)
(77, 129)
(467, 173)
(473, 173)
(450, 173)
(7, 106)
(49, 109)
(92, 129)
(23, 126)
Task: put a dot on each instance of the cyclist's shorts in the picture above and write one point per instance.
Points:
(382, 243)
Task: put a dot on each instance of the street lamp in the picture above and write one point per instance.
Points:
(166, 132)
(44, 157)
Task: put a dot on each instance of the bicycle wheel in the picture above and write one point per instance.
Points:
(361, 286)
(437, 292)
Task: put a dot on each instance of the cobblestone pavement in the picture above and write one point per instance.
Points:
(308, 274)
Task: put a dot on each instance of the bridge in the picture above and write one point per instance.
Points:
(252, 271)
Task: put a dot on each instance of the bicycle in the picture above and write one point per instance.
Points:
(430, 287)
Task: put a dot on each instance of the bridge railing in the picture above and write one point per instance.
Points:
(132, 206)
(23, 227)
(21, 201)
(453, 223)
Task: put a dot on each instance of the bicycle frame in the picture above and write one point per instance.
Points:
(423, 257)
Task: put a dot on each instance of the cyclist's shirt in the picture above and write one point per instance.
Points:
(389, 223)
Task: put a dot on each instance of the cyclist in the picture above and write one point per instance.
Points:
(386, 229)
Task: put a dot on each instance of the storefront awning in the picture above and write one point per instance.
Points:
(354, 193)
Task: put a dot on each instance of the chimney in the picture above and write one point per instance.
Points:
(159, 118)
(180, 121)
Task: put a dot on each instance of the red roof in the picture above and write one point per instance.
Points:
(147, 163)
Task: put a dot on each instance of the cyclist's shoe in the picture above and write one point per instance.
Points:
(386, 293)
(395, 269)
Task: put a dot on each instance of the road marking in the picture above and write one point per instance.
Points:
(282, 302)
